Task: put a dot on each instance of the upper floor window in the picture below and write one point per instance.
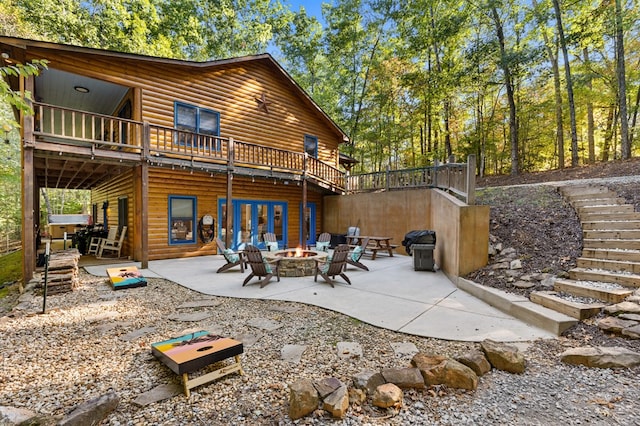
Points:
(311, 145)
(193, 119)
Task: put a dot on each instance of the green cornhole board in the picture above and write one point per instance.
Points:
(126, 277)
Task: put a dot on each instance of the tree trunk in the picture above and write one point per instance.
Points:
(553, 59)
(590, 121)
(625, 146)
(567, 70)
(513, 123)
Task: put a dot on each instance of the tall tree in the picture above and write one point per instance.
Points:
(508, 82)
(625, 145)
(552, 53)
(569, 83)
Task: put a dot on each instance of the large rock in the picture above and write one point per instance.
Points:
(622, 307)
(503, 356)
(476, 361)
(632, 332)
(440, 370)
(337, 402)
(387, 395)
(601, 357)
(368, 381)
(92, 412)
(404, 378)
(303, 398)
(327, 385)
(615, 324)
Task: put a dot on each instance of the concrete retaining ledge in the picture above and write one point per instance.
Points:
(519, 307)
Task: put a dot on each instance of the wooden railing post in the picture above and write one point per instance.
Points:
(230, 160)
(471, 179)
(305, 162)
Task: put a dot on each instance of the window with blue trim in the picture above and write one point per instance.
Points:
(182, 219)
(311, 145)
(191, 120)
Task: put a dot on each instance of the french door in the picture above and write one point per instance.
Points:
(252, 219)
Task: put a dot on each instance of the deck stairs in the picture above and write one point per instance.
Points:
(608, 270)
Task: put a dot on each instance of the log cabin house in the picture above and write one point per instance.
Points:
(176, 151)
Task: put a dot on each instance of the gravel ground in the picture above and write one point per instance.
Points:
(76, 351)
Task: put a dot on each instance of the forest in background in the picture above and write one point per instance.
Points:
(524, 85)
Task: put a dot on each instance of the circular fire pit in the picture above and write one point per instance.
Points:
(296, 262)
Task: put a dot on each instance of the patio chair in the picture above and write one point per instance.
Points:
(96, 242)
(113, 245)
(334, 265)
(323, 242)
(233, 259)
(356, 254)
(271, 241)
(260, 267)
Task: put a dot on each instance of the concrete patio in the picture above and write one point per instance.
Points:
(391, 295)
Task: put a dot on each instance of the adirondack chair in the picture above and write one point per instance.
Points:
(356, 254)
(271, 241)
(260, 267)
(334, 265)
(323, 241)
(233, 259)
(96, 242)
(113, 245)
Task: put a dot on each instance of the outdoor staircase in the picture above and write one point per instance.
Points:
(609, 269)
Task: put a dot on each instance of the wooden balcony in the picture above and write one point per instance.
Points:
(79, 134)
(120, 141)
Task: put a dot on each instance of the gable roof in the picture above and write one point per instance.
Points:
(26, 44)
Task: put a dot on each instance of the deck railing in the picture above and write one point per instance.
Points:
(68, 126)
(457, 178)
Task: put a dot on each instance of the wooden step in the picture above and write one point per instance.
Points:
(590, 217)
(611, 244)
(611, 224)
(625, 279)
(609, 265)
(603, 234)
(582, 190)
(600, 291)
(612, 254)
(615, 201)
(551, 300)
(618, 208)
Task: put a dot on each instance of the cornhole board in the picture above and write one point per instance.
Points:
(192, 352)
(126, 277)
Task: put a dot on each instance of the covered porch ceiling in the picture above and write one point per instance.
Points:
(68, 90)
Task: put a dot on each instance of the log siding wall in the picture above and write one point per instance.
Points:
(231, 90)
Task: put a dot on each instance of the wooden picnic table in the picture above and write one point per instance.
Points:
(375, 244)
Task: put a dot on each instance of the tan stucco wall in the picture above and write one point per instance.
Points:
(462, 231)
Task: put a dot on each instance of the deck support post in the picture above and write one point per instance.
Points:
(229, 213)
(304, 230)
(28, 189)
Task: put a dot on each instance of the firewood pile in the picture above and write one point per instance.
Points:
(62, 275)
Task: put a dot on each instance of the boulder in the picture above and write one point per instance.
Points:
(368, 381)
(404, 378)
(503, 356)
(615, 324)
(93, 411)
(601, 357)
(303, 398)
(440, 370)
(387, 395)
(476, 361)
(337, 402)
(632, 332)
(327, 385)
(622, 307)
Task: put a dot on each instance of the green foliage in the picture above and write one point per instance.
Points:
(10, 269)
